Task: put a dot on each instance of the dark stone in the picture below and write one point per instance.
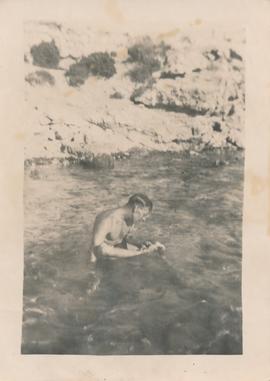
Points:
(235, 55)
(232, 111)
(216, 127)
(231, 98)
(173, 108)
(212, 55)
(178, 141)
(232, 142)
(103, 161)
(116, 95)
(170, 75)
(70, 150)
(215, 53)
(57, 136)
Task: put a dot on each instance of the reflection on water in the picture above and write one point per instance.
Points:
(189, 302)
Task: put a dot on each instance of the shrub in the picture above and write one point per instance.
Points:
(40, 77)
(148, 58)
(46, 54)
(146, 52)
(78, 72)
(101, 64)
(97, 64)
(140, 73)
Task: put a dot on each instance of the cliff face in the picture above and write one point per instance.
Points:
(92, 92)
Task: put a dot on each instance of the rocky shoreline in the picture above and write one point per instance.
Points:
(132, 94)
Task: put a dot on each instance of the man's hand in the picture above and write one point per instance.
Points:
(149, 248)
(146, 244)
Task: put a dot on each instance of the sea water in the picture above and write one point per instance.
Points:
(186, 303)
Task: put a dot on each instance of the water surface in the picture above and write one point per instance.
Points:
(188, 303)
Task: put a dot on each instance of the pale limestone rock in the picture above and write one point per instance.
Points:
(90, 122)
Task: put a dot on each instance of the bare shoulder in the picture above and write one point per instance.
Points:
(104, 224)
(107, 216)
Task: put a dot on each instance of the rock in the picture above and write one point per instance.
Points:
(235, 55)
(193, 153)
(185, 60)
(116, 95)
(57, 136)
(35, 174)
(219, 163)
(193, 95)
(212, 55)
(200, 82)
(171, 75)
(70, 150)
(173, 95)
(216, 127)
(236, 138)
(103, 162)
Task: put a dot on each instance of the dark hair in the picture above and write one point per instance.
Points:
(140, 199)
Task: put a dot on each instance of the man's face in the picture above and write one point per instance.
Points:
(141, 213)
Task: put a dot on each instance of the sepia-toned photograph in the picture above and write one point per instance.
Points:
(133, 190)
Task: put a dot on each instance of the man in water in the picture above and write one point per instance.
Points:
(112, 227)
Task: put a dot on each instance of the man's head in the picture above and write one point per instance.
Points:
(141, 206)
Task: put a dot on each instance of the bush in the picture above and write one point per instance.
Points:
(147, 53)
(40, 77)
(97, 64)
(78, 72)
(140, 73)
(148, 58)
(101, 64)
(46, 54)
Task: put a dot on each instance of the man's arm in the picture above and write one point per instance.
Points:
(107, 250)
(110, 251)
(99, 247)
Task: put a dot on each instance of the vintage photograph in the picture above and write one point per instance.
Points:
(133, 190)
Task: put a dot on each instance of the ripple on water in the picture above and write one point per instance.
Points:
(189, 302)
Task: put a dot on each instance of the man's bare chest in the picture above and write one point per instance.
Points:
(119, 230)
